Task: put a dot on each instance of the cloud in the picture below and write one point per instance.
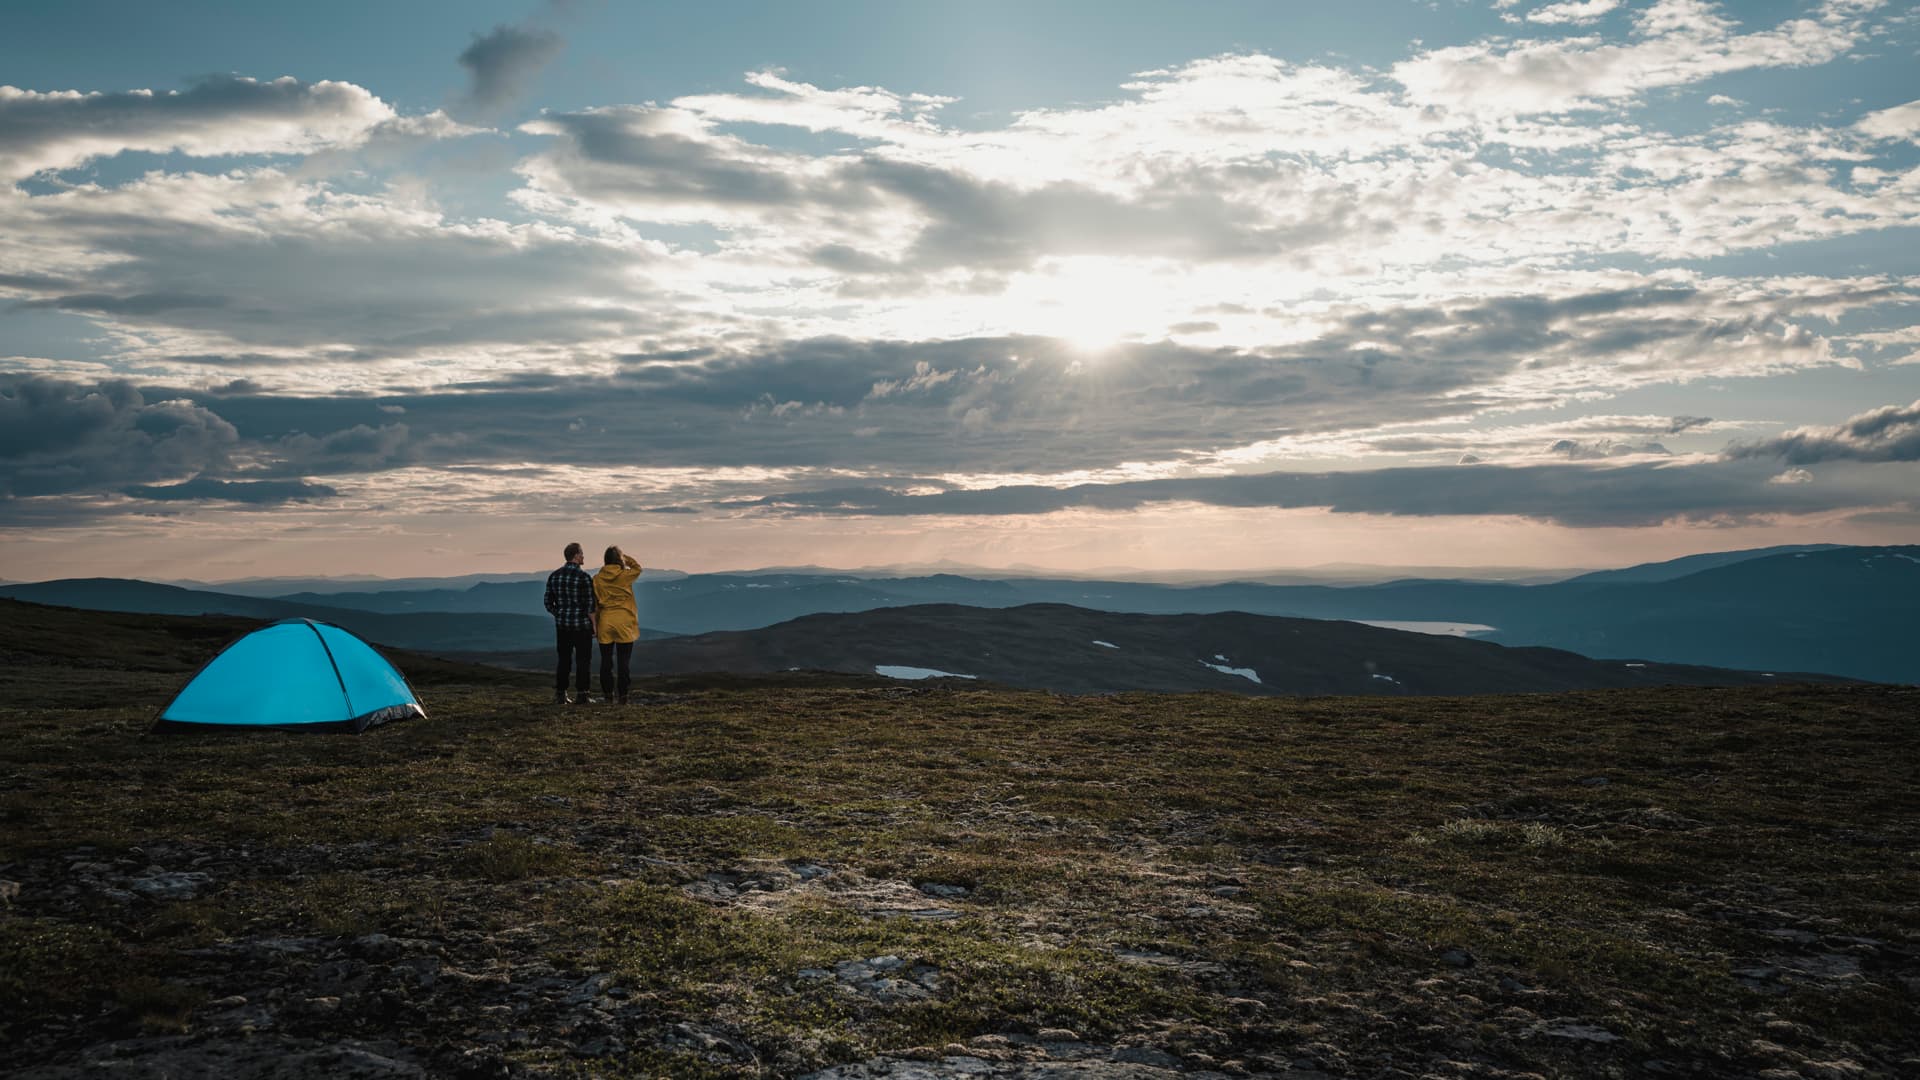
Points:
(1034, 405)
(1576, 450)
(1289, 173)
(288, 272)
(360, 448)
(1228, 264)
(59, 437)
(1237, 182)
(1677, 42)
(1372, 382)
(1572, 12)
(252, 492)
(64, 438)
(875, 214)
(1888, 433)
(663, 165)
(1583, 496)
(860, 110)
(215, 116)
(136, 304)
(1898, 122)
(503, 62)
(1583, 438)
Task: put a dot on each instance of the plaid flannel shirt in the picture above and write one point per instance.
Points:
(570, 598)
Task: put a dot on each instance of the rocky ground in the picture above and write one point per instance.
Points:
(851, 882)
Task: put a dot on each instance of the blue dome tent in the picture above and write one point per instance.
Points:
(295, 674)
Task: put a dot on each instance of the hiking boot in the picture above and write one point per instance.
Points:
(623, 697)
(559, 697)
(583, 699)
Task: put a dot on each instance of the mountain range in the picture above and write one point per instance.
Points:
(1837, 609)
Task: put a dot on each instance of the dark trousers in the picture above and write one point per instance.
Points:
(575, 649)
(623, 652)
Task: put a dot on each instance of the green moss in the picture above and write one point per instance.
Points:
(45, 963)
(508, 857)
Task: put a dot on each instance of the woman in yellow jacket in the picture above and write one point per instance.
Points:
(616, 621)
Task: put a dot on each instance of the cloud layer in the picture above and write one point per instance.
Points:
(1629, 495)
(216, 116)
(1241, 280)
(1890, 433)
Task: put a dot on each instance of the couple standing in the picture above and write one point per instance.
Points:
(585, 607)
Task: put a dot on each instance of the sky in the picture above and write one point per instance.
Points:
(425, 289)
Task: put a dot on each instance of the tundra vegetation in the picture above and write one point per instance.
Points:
(768, 877)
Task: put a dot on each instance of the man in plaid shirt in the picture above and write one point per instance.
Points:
(570, 601)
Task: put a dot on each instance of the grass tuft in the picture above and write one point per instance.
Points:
(507, 857)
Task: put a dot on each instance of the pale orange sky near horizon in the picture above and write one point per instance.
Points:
(1164, 539)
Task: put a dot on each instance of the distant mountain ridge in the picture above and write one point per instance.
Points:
(1076, 650)
(1830, 608)
(286, 587)
(1692, 564)
(1849, 610)
(1699, 609)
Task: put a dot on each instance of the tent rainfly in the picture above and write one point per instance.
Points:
(293, 675)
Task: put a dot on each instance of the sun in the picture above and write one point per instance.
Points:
(1091, 305)
(1090, 335)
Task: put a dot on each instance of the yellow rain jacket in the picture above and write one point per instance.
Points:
(613, 592)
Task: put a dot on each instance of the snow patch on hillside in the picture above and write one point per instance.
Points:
(897, 671)
(1425, 626)
(1244, 672)
(1106, 644)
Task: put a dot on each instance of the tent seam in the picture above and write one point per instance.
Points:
(345, 696)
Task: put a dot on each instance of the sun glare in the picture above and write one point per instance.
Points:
(1092, 336)
(1091, 304)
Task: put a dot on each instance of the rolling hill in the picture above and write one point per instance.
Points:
(1844, 610)
(1692, 564)
(443, 631)
(64, 657)
(1076, 650)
